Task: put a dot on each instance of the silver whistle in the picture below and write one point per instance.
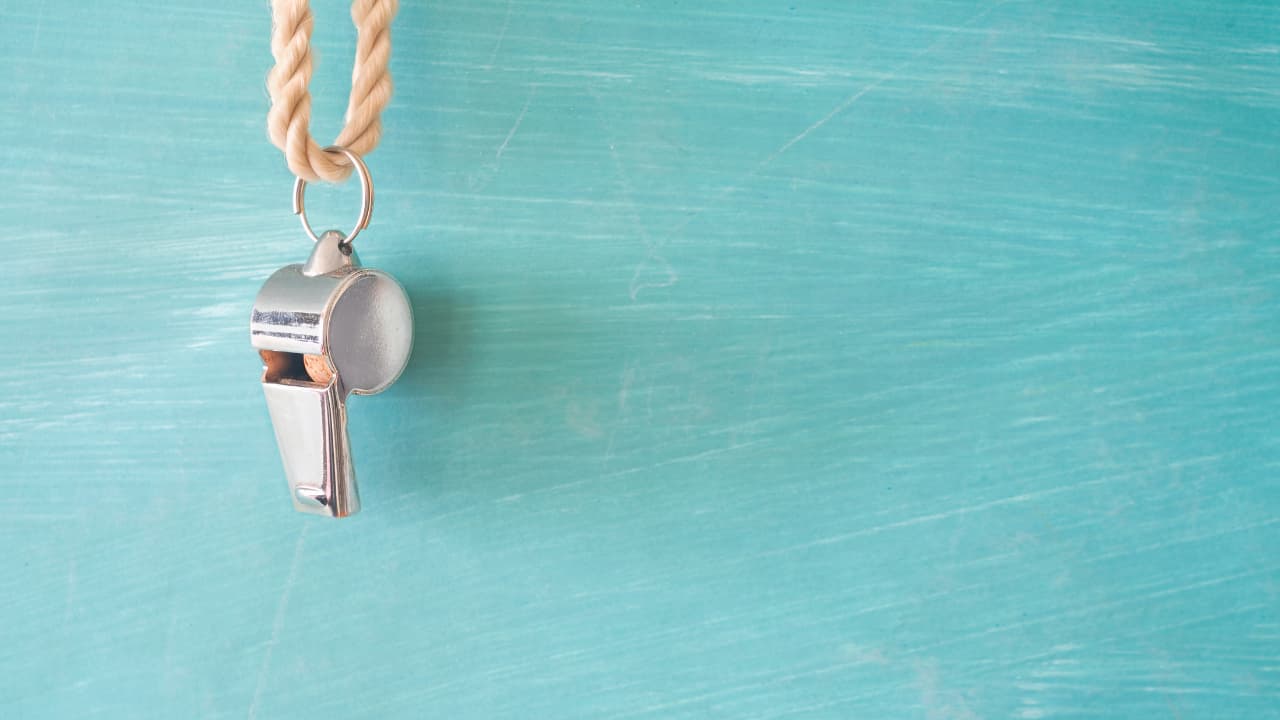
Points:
(324, 329)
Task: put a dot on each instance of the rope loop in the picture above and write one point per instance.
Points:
(289, 120)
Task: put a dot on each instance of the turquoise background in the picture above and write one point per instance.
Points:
(774, 360)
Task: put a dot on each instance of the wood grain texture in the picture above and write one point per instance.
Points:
(775, 360)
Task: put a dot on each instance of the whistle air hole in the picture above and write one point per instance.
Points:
(296, 366)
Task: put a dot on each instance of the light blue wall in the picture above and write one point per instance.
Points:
(775, 359)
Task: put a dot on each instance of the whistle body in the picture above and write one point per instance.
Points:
(325, 329)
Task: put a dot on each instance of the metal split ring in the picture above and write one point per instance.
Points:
(366, 196)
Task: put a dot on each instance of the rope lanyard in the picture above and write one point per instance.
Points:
(288, 121)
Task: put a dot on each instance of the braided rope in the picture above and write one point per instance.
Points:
(288, 121)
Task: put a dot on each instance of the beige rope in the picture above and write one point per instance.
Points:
(288, 122)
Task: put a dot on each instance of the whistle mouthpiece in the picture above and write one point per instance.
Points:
(310, 423)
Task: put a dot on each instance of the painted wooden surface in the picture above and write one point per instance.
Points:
(776, 359)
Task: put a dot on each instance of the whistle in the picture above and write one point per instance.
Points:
(326, 328)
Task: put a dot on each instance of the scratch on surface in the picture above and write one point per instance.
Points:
(533, 90)
(502, 35)
(838, 110)
(934, 517)
(281, 608)
(855, 97)
(35, 34)
(666, 275)
(844, 105)
(652, 264)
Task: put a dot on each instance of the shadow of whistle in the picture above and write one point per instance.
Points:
(324, 329)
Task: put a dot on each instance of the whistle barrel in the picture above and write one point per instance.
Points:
(291, 311)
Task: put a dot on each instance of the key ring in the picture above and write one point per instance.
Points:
(366, 197)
